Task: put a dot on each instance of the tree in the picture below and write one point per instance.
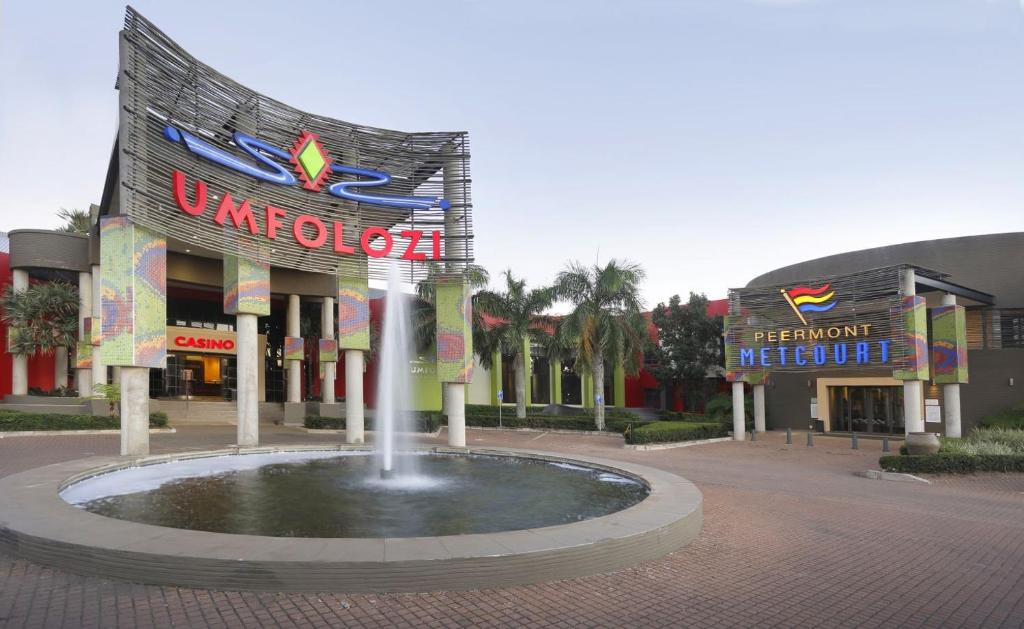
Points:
(41, 318)
(689, 341)
(517, 310)
(606, 322)
(75, 221)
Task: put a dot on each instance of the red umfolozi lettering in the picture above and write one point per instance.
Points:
(414, 236)
(339, 245)
(436, 237)
(242, 213)
(178, 182)
(300, 237)
(384, 235)
(274, 214)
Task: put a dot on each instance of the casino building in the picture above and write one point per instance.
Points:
(863, 381)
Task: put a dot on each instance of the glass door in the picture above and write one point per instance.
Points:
(866, 409)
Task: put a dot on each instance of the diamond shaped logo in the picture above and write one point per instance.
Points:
(311, 161)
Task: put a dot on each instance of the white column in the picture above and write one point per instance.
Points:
(134, 411)
(739, 426)
(759, 407)
(455, 393)
(913, 390)
(60, 367)
(248, 365)
(354, 423)
(294, 366)
(327, 332)
(19, 362)
(99, 369)
(83, 377)
(951, 393)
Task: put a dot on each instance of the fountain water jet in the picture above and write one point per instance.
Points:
(394, 390)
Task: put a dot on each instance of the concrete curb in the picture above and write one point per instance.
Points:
(676, 444)
(893, 476)
(37, 525)
(65, 433)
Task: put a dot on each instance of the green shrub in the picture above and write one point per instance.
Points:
(953, 463)
(484, 415)
(719, 408)
(669, 432)
(11, 421)
(1007, 418)
(423, 422)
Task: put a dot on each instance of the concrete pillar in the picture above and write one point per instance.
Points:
(587, 389)
(294, 366)
(619, 384)
(99, 368)
(134, 411)
(951, 393)
(19, 362)
(739, 425)
(327, 332)
(83, 377)
(248, 366)
(496, 378)
(913, 390)
(354, 423)
(60, 367)
(556, 381)
(759, 408)
(456, 394)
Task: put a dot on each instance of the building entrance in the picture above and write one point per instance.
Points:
(199, 376)
(866, 409)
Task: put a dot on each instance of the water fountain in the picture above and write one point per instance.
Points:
(396, 517)
(394, 390)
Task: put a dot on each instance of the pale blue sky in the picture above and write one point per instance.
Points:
(709, 140)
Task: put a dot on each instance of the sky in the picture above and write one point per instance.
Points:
(707, 140)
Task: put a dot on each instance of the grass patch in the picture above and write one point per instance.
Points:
(14, 421)
(1012, 418)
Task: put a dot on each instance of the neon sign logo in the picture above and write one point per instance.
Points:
(310, 161)
(804, 299)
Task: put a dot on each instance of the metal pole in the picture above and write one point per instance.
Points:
(853, 441)
(885, 443)
(789, 436)
(810, 440)
(753, 435)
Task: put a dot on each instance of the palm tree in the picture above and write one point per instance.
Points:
(517, 310)
(75, 221)
(606, 320)
(41, 318)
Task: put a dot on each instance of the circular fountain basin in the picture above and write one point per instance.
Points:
(313, 519)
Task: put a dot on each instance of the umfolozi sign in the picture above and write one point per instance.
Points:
(312, 165)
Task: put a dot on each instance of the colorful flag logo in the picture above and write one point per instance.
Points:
(804, 299)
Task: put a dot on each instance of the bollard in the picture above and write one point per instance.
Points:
(789, 436)
(810, 440)
(853, 441)
(885, 443)
(753, 435)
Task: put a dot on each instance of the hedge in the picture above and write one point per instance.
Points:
(610, 412)
(953, 463)
(11, 421)
(670, 432)
(424, 422)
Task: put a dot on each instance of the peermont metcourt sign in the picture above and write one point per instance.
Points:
(850, 322)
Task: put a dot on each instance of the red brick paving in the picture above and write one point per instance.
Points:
(791, 538)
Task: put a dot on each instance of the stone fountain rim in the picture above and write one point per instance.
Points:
(36, 524)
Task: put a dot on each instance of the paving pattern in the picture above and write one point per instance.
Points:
(791, 539)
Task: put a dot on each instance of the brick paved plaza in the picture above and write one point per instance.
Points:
(791, 538)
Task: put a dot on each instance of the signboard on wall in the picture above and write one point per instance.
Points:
(243, 174)
(200, 341)
(851, 322)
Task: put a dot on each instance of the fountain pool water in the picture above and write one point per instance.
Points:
(336, 494)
